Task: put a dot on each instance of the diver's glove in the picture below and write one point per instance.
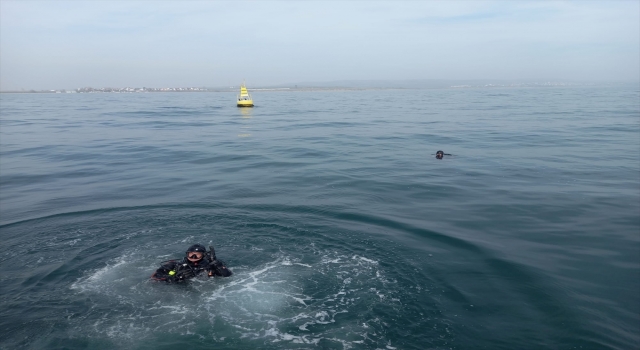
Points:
(217, 268)
(214, 266)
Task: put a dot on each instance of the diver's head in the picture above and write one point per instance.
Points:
(196, 252)
(439, 154)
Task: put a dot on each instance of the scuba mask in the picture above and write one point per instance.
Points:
(194, 255)
(196, 252)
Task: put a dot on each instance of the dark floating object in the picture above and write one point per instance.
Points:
(440, 154)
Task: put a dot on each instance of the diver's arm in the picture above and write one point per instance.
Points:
(218, 268)
(164, 273)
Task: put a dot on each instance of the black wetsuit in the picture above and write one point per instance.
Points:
(175, 271)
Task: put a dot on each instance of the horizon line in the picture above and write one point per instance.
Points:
(353, 84)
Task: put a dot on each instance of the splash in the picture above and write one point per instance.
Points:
(327, 300)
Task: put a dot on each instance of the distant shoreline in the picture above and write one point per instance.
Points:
(200, 91)
(309, 88)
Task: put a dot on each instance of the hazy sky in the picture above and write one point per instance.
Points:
(58, 44)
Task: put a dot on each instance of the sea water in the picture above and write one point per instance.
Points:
(342, 229)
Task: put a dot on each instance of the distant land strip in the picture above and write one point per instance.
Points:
(334, 86)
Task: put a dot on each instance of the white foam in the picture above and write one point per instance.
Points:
(284, 336)
(73, 242)
(357, 257)
(98, 277)
(267, 303)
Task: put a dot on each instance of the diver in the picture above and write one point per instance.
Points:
(440, 154)
(196, 262)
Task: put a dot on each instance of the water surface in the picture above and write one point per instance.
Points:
(343, 230)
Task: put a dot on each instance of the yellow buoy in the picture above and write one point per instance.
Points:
(244, 99)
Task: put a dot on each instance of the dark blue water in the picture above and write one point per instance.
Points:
(343, 230)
